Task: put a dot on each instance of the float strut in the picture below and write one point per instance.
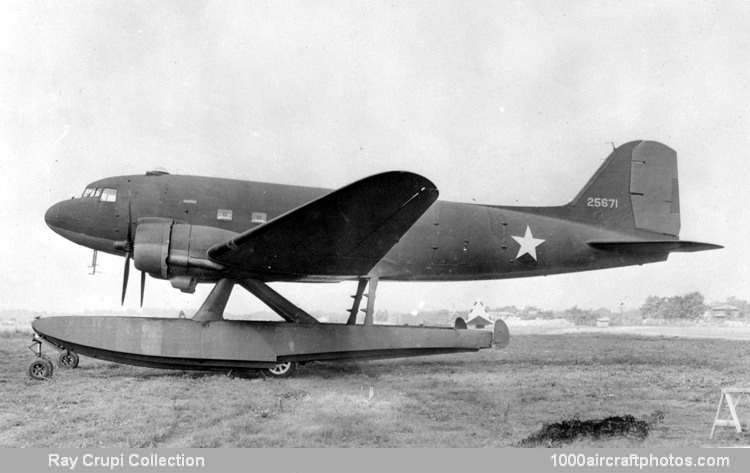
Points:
(371, 301)
(213, 307)
(277, 303)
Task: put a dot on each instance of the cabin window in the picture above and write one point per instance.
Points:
(224, 214)
(89, 192)
(109, 195)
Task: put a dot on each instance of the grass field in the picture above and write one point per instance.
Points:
(494, 398)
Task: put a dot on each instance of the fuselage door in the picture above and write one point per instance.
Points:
(452, 243)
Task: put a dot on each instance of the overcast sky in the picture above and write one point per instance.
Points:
(495, 102)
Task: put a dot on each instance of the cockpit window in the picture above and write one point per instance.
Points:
(98, 192)
(108, 195)
(89, 192)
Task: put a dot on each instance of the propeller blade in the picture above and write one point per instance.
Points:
(125, 278)
(129, 253)
(143, 285)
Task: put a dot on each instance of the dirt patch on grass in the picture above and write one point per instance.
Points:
(567, 431)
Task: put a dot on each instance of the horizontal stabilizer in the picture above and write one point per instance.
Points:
(344, 233)
(652, 246)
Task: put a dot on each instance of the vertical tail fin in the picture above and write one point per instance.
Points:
(635, 188)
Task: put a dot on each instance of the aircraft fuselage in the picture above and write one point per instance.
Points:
(451, 241)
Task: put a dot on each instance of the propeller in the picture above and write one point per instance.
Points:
(125, 278)
(143, 285)
(129, 245)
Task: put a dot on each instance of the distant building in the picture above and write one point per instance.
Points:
(723, 311)
(478, 322)
(602, 322)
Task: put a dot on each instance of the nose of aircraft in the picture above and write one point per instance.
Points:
(71, 219)
(52, 217)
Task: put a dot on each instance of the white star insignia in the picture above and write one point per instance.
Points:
(528, 244)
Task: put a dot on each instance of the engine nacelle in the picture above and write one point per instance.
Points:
(177, 251)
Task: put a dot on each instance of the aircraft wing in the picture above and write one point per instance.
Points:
(657, 246)
(344, 233)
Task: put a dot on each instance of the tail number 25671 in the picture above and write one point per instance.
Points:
(602, 202)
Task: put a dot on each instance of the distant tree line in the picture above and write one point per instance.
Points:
(689, 306)
(574, 314)
(686, 307)
(527, 313)
(580, 316)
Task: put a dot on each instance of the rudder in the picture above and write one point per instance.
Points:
(635, 188)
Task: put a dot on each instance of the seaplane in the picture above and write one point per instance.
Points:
(385, 228)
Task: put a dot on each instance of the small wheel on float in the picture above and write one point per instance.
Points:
(68, 360)
(281, 370)
(40, 368)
